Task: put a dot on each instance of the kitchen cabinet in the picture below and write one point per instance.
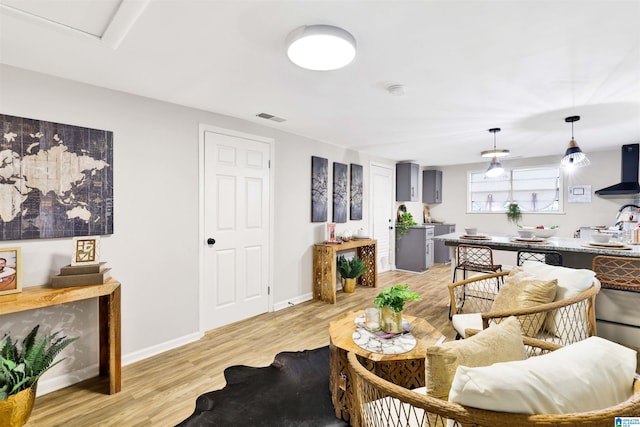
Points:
(414, 250)
(441, 252)
(431, 186)
(407, 175)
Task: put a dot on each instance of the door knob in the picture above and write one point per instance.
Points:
(211, 241)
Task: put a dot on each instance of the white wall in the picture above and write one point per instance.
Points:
(154, 249)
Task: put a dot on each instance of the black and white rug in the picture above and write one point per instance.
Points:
(292, 392)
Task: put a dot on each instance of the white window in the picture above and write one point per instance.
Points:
(535, 189)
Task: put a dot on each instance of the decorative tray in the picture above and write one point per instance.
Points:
(612, 246)
(475, 237)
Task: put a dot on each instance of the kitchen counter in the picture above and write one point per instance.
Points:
(574, 253)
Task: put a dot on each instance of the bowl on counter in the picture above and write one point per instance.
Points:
(541, 230)
(600, 237)
(525, 233)
(471, 231)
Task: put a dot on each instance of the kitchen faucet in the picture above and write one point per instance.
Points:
(619, 222)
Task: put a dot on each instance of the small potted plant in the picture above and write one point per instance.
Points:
(391, 302)
(514, 214)
(404, 222)
(20, 370)
(350, 270)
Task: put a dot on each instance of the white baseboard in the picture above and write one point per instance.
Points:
(292, 302)
(160, 348)
(47, 385)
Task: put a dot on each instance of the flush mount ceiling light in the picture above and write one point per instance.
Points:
(574, 157)
(321, 47)
(495, 167)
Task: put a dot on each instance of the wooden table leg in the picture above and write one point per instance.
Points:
(110, 351)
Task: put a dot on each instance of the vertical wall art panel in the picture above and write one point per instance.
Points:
(319, 188)
(56, 180)
(356, 192)
(340, 192)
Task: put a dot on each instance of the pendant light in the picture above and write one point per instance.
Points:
(574, 157)
(495, 167)
(321, 47)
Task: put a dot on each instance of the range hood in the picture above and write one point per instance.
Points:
(629, 183)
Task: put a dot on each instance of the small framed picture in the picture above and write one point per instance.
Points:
(86, 250)
(10, 271)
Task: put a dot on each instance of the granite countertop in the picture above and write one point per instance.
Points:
(505, 242)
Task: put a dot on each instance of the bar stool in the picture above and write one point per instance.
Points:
(547, 257)
(475, 258)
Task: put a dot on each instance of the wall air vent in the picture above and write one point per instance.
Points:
(271, 117)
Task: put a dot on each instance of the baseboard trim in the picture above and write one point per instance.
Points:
(290, 303)
(160, 348)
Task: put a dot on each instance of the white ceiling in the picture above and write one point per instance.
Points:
(521, 65)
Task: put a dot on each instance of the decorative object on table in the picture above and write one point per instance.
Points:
(544, 231)
(75, 201)
(81, 275)
(20, 370)
(405, 221)
(331, 236)
(350, 270)
(319, 188)
(514, 214)
(361, 233)
(471, 231)
(340, 192)
(372, 319)
(86, 251)
(346, 236)
(356, 192)
(391, 301)
(10, 271)
(426, 214)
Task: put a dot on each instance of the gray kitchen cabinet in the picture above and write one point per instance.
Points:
(431, 186)
(414, 250)
(441, 253)
(407, 175)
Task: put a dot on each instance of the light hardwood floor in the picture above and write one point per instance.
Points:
(162, 390)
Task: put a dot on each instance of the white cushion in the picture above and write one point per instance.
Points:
(571, 281)
(589, 375)
(461, 322)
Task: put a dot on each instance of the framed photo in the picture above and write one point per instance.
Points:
(10, 271)
(356, 192)
(86, 251)
(340, 192)
(319, 190)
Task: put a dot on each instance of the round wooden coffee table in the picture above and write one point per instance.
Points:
(406, 369)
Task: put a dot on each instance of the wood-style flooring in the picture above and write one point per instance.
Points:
(162, 390)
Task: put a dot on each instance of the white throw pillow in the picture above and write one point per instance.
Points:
(571, 281)
(589, 375)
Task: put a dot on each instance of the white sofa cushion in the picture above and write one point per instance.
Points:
(589, 375)
(571, 282)
(462, 322)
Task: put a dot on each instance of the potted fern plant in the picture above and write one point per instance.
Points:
(350, 270)
(20, 370)
(391, 302)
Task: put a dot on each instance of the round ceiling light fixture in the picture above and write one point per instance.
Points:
(496, 152)
(321, 47)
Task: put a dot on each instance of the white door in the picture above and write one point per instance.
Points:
(236, 226)
(382, 211)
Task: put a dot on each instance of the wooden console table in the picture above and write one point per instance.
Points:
(324, 266)
(108, 295)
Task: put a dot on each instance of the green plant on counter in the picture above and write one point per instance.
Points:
(20, 368)
(514, 214)
(351, 268)
(395, 297)
(405, 221)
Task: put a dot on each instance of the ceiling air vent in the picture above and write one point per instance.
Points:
(271, 117)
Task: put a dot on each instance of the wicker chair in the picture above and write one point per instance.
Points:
(376, 405)
(622, 273)
(475, 295)
(474, 258)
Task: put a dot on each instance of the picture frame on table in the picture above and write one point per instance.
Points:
(10, 271)
(86, 250)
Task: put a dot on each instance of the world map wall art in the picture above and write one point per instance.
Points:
(56, 180)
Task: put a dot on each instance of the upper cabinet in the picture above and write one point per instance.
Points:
(431, 186)
(407, 182)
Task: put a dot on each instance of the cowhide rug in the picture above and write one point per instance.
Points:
(292, 391)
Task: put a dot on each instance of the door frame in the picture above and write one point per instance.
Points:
(392, 240)
(202, 128)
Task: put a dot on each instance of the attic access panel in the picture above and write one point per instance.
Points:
(56, 180)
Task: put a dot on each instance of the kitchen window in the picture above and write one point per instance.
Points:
(535, 189)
